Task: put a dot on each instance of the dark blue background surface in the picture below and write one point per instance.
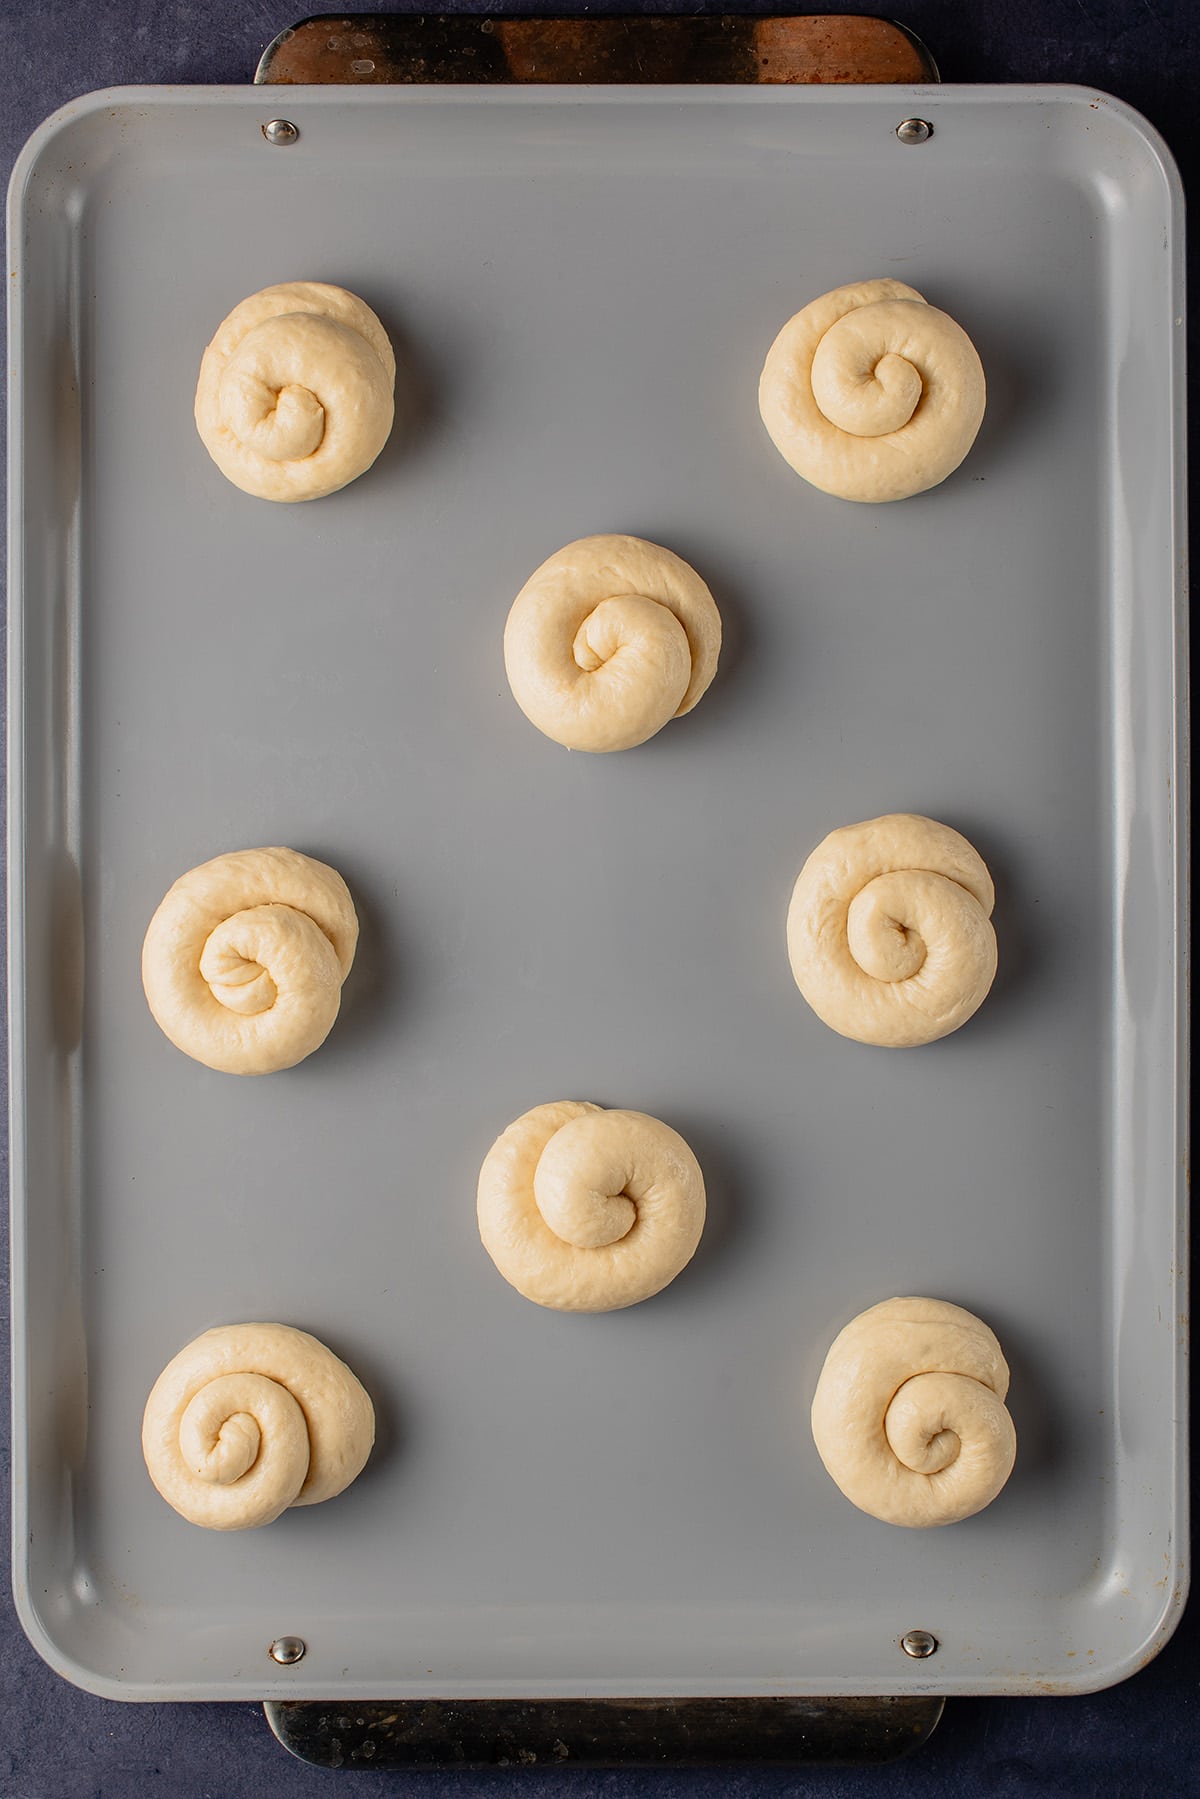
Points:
(1142, 1738)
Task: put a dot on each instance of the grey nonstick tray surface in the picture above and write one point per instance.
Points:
(583, 285)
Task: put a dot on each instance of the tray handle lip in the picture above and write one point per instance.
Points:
(925, 1714)
(261, 78)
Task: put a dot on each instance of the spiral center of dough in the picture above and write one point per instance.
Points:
(284, 424)
(862, 380)
(621, 622)
(867, 402)
(917, 1427)
(235, 975)
(635, 654)
(220, 1437)
(266, 392)
(583, 1184)
(883, 940)
(232, 1454)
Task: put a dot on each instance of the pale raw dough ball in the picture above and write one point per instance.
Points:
(608, 640)
(889, 930)
(295, 396)
(250, 1419)
(585, 1210)
(872, 394)
(244, 960)
(909, 1416)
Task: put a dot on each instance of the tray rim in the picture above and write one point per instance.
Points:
(200, 96)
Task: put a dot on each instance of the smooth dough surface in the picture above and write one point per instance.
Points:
(609, 639)
(586, 1210)
(909, 1416)
(250, 1419)
(244, 960)
(889, 930)
(872, 394)
(295, 396)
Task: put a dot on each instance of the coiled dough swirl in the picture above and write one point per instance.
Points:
(872, 394)
(250, 1419)
(909, 1416)
(295, 396)
(609, 639)
(889, 930)
(584, 1210)
(244, 960)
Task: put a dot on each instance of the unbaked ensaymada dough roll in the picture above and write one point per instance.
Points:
(889, 930)
(587, 1210)
(295, 396)
(244, 960)
(252, 1418)
(608, 640)
(909, 1415)
(870, 393)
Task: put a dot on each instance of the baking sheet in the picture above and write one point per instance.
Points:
(584, 284)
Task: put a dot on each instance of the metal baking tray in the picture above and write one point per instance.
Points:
(583, 284)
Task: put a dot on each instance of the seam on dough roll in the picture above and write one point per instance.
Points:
(889, 930)
(249, 1419)
(908, 1414)
(244, 960)
(587, 1210)
(871, 394)
(295, 397)
(609, 640)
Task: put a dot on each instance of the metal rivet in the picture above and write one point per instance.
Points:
(918, 1644)
(280, 131)
(286, 1650)
(914, 131)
